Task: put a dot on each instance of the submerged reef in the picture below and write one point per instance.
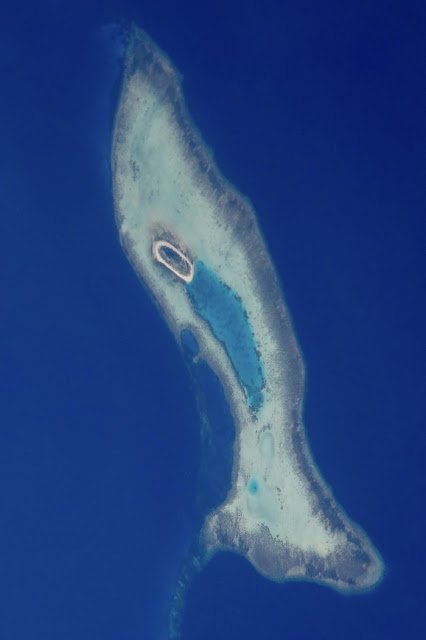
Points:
(194, 242)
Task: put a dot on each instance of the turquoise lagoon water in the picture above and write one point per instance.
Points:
(218, 305)
(253, 486)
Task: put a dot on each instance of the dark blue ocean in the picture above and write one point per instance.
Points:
(316, 111)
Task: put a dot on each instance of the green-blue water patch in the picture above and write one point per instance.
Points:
(253, 486)
(223, 310)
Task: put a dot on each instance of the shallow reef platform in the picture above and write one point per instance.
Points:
(278, 512)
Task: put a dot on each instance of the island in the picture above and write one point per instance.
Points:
(172, 257)
(194, 242)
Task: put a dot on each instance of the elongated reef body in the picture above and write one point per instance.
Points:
(194, 242)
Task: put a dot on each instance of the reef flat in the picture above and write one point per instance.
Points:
(194, 242)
